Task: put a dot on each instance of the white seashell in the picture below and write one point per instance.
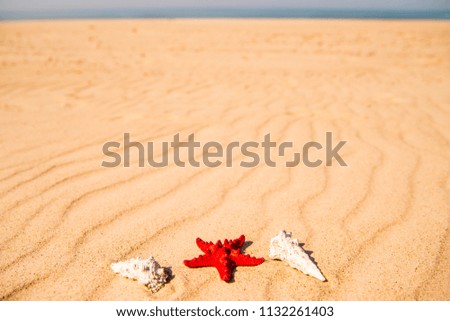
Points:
(145, 271)
(282, 247)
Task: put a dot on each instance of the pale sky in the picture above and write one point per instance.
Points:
(13, 5)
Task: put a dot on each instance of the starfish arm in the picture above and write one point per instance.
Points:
(238, 243)
(247, 260)
(225, 272)
(202, 260)
(204, 246)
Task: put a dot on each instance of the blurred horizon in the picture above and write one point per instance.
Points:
(383, 9)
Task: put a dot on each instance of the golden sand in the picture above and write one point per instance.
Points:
(379, 228)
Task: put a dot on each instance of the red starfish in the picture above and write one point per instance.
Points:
(224, 257)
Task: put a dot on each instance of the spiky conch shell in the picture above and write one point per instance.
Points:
(283, 247)
(145, 271)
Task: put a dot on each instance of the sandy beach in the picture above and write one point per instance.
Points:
(378, 228)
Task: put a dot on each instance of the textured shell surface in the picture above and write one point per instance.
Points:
(145, 271)
(287, 249)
